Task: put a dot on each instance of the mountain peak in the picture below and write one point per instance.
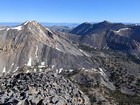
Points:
(106, 22)
(30, 22)
(86, 23)
(34, 25)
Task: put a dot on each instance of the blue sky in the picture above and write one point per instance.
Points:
(70, 11)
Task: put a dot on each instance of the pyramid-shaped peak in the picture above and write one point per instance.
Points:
(30, 22)
(106, 22)
(33, 24)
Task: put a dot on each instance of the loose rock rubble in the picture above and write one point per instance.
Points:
(44, 88)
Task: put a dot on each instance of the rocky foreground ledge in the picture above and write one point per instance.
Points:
(44, 88)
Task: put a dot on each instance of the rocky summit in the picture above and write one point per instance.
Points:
(40, 88)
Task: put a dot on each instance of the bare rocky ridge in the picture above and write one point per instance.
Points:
(88, 28)
(105, 35)
(40, 88)
(30, 43)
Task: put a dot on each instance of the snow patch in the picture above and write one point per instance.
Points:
(70, 70)
(60, 70)
(17, 28)
(102, 72)
(4, 70)
(29, 62)
(40, 70)
(49, 30)
(2, 28)
(58, 49)
(83, 68)
(8, 29)
(29, 27)
(12, 65)
(27, 71)
(26, 22)
(86, 70)
(84, 53)
(34, 70)
(57, 71)
(41, 66)
(94, 69)
(42, 63)
(122, 29)
(52, 66)
(81, 50)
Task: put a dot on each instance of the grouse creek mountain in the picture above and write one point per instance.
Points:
(30, 44)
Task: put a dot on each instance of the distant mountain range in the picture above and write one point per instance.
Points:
(71, 25)
(104, 35)
(88, 28)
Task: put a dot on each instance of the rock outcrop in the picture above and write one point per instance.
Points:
(40, 88)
